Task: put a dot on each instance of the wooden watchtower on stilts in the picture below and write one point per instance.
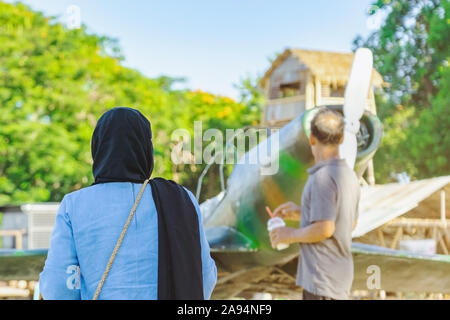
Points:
(299, 80)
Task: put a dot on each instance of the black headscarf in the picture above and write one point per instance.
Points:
(122, 151)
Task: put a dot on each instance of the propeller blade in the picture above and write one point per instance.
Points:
(349, 148)
(355, 101)
(357, 89)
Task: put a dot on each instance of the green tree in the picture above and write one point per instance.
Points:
(412, 52)
(55, 83)
(250, 94)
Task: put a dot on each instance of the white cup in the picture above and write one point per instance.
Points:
(275, 223)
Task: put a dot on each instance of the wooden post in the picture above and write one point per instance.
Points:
(363, 182)
(370, 173)
(318, 90)
(17, 234)
(18, 237)
(434, 233)
(309, 93)
(443, 213)
(397, 237)
(381, 237)
(372, 106)
(267, 98)
(442, 243)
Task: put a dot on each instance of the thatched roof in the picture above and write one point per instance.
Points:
(332, 67)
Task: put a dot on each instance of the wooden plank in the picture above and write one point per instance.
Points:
(417, 222)
(443, 216)
(442, 243)
(16, 233)
(231, 276)
(10, 292)
(240, 282)
(370, 173)
(11, 232)
(397, 237)
(381, 237)
(284, 273)
(318, 91)
(299, 98)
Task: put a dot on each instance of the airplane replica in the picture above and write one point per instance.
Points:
(236, 220)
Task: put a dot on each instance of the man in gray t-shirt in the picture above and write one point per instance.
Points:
(329, 211)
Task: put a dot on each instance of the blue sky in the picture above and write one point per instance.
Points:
(215, 43)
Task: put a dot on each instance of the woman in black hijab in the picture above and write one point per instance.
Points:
(122, 152)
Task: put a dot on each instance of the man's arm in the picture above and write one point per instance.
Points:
(315, 232)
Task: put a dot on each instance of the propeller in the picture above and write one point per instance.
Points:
(355, 100)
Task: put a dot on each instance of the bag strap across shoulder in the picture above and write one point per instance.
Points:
(119, 242)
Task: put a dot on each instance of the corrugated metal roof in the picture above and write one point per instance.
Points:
(382, 203)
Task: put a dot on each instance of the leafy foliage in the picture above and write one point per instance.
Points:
(250, 93)
(412, 52)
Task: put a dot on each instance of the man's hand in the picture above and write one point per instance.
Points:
(288, 211)
(282, 235)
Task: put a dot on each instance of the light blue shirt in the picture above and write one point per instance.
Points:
(87, 226)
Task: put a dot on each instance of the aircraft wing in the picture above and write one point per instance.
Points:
(398, 271)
